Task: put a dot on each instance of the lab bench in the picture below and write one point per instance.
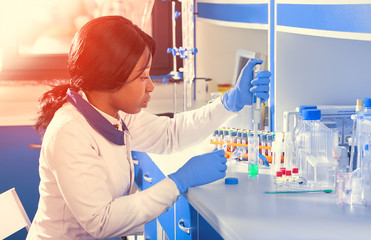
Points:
(244, 211)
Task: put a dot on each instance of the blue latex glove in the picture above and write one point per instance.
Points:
(199, 170)
(241, 94)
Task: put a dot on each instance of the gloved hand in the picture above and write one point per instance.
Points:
(241, 94)
(199, 170)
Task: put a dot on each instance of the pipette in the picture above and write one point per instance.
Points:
(256, 110)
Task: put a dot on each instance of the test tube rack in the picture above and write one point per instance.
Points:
(219, 141)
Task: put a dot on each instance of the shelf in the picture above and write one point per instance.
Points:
(343, 19)
(241, 14)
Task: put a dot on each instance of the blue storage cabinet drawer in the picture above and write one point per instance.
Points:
(147, 174)
(186, 220)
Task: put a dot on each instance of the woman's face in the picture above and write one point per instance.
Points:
(134, 94)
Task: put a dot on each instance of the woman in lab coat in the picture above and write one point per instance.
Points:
(91, 124)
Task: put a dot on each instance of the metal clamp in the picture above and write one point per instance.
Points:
(183, 228)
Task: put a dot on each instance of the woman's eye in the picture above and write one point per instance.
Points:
(144, 78)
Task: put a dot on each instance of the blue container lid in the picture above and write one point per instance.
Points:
(216, 132)
(231, 181)
(304, 107)
(269, 137)
(312, 114)
(226, 132)
(244, 135)
(233, 134)
(367, 102)
(239, 134)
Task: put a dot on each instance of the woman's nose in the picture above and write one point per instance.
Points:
(150, 86)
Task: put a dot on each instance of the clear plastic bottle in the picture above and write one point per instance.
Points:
(361, 183)
(299, 118)
(314, 149)
(298, 137)
(353, 142)
(343, 187)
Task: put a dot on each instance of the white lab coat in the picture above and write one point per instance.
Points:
(86, 180)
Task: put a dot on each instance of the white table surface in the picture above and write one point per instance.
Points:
(243, 211)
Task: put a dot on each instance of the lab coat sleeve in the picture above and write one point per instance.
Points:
(82, 180)
(161, 135)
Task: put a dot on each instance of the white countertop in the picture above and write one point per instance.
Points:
(243, 211)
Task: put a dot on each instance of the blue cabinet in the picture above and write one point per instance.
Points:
(180, 221)
(19, 167)
(186, 220)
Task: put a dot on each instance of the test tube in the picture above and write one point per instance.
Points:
(221, 138)
(216, 138)
(226, 140)
(244, 142)
(263, 140)
(239, 137)
(269, 145)
(233, 140)
(253, 161)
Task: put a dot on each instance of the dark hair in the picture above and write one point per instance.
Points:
(102, 56)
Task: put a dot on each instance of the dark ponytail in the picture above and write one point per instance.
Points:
(102, 56)
(49, 103)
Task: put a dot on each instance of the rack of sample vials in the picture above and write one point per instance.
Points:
(230, 139)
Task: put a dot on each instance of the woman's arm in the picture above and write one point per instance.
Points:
(165, 135)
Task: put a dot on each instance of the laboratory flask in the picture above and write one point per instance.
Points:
(314, 149)
(297, 127)
(363, 140)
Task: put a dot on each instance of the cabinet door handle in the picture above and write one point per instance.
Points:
(183, 228)
(147, 178)
(136, 162)
(34, 146)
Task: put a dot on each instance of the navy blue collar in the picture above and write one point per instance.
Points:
(96, 120)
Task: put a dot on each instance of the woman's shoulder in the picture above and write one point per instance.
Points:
(67, 117)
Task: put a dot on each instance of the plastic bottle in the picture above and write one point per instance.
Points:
(297, 136)
(226, 140)
(343, 187)
(360, 178)
(315, 149)
(299, 118)
(353, 143)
